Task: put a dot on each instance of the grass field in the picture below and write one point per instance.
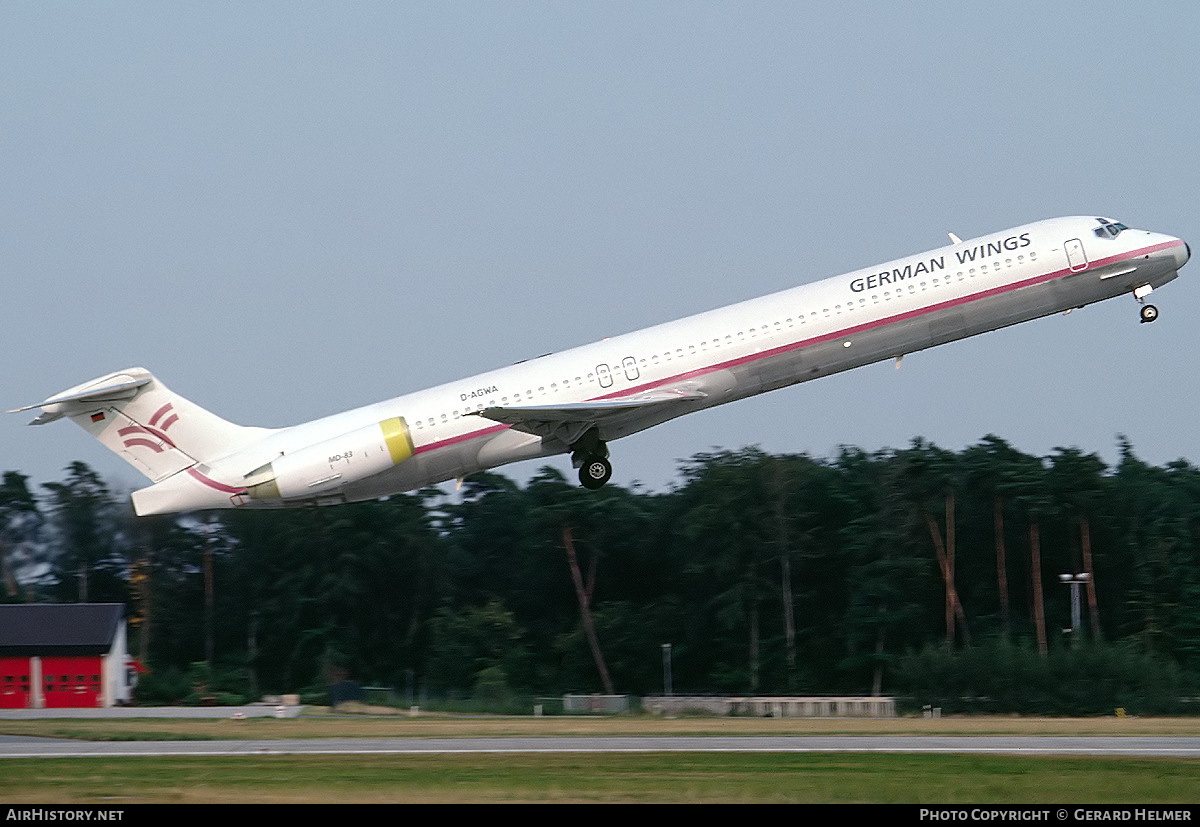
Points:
(641, 777)
(633, 778)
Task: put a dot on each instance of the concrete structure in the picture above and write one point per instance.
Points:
(59, 656)
(612, 704)
(774, 707)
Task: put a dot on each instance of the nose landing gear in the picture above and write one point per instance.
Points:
(1148, 312)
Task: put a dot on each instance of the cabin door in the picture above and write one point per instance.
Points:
(1076, 257)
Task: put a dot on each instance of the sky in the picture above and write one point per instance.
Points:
(288, 209)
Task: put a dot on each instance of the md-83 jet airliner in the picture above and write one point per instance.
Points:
(579, 400)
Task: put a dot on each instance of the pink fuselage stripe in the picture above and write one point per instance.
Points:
(211, 483)
(817, 340)
(455, 440)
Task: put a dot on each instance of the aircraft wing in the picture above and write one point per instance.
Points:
(569, 420)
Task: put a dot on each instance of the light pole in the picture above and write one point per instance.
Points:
(666, 655)
(1074, 581)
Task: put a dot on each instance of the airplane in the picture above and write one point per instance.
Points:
(579, 400)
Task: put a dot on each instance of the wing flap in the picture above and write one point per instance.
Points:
(567, 421)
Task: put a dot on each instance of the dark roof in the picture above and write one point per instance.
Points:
(58, 628)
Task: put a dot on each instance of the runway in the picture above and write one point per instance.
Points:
(1172, 747)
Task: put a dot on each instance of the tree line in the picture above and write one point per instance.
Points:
(921, 572)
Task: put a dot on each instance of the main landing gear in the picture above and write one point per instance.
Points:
(594, 472)
(1148, 312)
(590, 455)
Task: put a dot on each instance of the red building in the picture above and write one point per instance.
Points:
(63, 655)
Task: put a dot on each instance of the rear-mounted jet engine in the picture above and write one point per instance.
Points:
(326, 466)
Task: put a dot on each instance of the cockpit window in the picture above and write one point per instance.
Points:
(1109, 229)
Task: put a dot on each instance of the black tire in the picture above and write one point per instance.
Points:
(1149, 313)
(594, 472)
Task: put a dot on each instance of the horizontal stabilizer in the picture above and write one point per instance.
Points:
(106, 389)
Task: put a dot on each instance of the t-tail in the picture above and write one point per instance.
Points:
(136, 416)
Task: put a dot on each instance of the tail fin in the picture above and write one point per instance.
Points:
(156, 431)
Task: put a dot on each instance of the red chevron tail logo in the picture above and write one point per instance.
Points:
(153, 435)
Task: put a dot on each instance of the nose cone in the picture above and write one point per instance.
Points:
(1182, 254)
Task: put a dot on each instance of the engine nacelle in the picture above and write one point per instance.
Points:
(319, 469)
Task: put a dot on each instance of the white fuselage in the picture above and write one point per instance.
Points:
(725, 354)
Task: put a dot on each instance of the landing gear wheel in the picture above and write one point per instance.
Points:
(1149, 313)
(594, 472)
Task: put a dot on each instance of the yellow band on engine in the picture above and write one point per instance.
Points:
(398, 439)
